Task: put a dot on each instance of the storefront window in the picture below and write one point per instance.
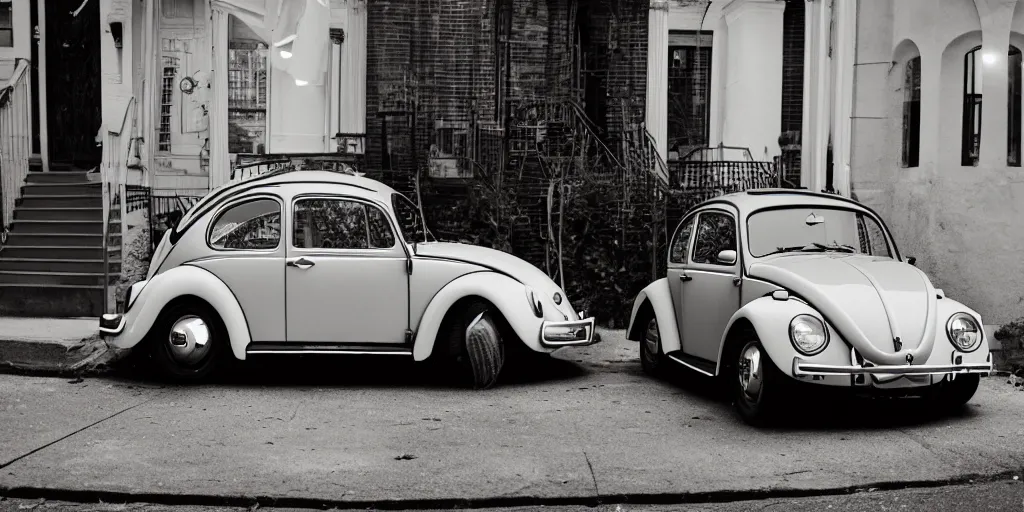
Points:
(247, 89)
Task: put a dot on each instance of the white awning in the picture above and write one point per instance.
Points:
(301, 28)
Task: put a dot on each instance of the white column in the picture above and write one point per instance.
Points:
(657, 75)
(996, 21)
(845, 53)
(220, 164)
(719, 77)
(352, 87)
(753, 94)
(817, 96)
(44, 139)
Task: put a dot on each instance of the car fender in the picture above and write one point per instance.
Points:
(770, 319)
(177, 282)
(660, 298)
(507, 294)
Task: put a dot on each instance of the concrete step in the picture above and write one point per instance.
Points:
(61, 189)
(54, 301)
(94, 266)
(59, 213)
(63, 201)
(85, 227)
(54, 278)
(65, 252)
(61, 239)
(69, 177)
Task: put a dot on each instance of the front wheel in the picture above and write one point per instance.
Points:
(187, 342)
(948, 396)
(758, 387)
(476, 344)
(652, 360)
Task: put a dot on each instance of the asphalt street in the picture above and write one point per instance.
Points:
(583, 428)
(1001, 496)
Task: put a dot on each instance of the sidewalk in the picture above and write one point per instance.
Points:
(51, 346)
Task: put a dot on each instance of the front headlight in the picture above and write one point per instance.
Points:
(538, 308)
(964, 332)
(808, 335)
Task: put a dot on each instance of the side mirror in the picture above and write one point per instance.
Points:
(912, 260)
(727, 257)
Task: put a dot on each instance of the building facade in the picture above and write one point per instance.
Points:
(943, 166)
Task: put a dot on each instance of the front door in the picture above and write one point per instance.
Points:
(711, 292)
(73, 81)
(345, 273)
(678, 257)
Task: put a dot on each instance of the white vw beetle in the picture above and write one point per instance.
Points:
(770, 287)
(320, 262)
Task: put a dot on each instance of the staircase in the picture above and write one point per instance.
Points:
(52, 262)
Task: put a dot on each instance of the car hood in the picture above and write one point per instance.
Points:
(493, 259)
(870, 300)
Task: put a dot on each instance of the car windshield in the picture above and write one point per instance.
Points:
(410, 221)
(817, 229)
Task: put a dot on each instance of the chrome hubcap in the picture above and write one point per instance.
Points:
(652, 337)
(189, 340)
(750, 374)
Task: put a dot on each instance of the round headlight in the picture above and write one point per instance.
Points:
(558, 299)
(964, 332)
(808, 335)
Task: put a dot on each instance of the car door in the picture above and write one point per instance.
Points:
(346, 273)
(678, 256)
(710, 290)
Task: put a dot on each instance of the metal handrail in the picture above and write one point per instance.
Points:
(15, 139)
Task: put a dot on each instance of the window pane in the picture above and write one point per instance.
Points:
(1013, 115)
(330, 224)
(381, 235)
(716, 232)
(247, 89)
(912, 112)
(679, 245)
(250, 225)
(6, 23)
(872, 237)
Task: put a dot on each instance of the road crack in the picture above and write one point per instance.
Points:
(93, 424)
(593, 477)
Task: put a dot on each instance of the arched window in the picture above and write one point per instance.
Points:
(973, 70)
(912, 113)
(1013, 119)
(970, 148)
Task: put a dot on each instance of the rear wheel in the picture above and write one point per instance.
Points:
(187, 342)
(476, 346)
(652, 359)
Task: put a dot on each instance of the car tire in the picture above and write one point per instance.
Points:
(476, 346)
(176, 342)
(652, 358)
(948, 396)
(758, 386)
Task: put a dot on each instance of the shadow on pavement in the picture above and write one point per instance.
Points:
(820, 410)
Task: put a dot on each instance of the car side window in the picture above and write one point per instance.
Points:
(330, 224)
(716, 232)
(677, 253)
(381, 235)
(872, 237)
(254, 224)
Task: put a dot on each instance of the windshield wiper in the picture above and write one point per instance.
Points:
(835, 247)
(793, 248)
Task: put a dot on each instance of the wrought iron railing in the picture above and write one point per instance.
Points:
(15, 138)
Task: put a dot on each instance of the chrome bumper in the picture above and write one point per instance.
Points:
(111, 324)
(802, 368)
(570, 333)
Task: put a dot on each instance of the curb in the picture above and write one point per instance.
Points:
(55, 359)
(206, 500)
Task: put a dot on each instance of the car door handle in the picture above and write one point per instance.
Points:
(684, 277)
(301, 263)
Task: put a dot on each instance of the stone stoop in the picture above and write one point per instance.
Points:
(53, 346)
(52, 262)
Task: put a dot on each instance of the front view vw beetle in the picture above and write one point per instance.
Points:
(769, 288)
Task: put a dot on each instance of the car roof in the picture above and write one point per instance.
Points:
(749, 201)
(365, 187)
